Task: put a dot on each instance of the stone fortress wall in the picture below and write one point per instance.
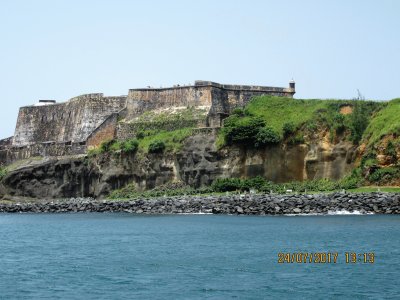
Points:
(68, 122)
(220, 98)
(50, 128)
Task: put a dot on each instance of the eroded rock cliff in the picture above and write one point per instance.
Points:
(198, 163)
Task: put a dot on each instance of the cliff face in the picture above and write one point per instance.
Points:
(280, 139)
(199, 163)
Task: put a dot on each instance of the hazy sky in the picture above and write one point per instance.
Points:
(60, 49)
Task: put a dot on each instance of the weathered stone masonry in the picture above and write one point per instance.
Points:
(50, 128)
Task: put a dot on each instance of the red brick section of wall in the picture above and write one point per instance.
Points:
(104, 132)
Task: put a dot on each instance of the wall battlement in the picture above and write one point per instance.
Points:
(88, 119)
(221, 98)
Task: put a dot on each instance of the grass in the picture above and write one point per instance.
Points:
(293, 119)
(369, 189)
(190, 113)
(172, 139)
(277, 111)
(385, 122)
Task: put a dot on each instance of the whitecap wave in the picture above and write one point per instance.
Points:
(346, 212)
(333, 213)
(197, 213)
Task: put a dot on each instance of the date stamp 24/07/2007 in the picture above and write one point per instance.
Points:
(326, 257)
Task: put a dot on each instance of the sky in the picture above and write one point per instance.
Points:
(55, 49)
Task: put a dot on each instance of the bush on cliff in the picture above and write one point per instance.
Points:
(156, 146)
(391, 151)
(287, 115)
(288, 129)
(173, 140)
(248, 130)
(385, 122)
(238, 130)
(266, 136)
(129, 146)
(3, 173)
(359, 121)
(384, 175)
(106, 146)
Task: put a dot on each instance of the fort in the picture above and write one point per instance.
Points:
(48, 128)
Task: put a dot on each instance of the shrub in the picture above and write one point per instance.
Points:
(3, 173)
(156, 146)
(140, 134)
(338, 123)
(358, 121)
(226, 184)
(115, 146)
(130, 146)
(127, 191)
(106, 146)
(241, 130)
(311, 126)
(239, 112)
(384, 175)
(368, 159)
(256, 183)
(288, 129)
(266, 136)
(298, 139)
(391, 150)
(352, 181)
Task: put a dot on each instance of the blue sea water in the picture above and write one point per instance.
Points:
(125, 256)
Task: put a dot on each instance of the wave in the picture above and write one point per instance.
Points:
(334, 213)
(196, 213)
(346, 212)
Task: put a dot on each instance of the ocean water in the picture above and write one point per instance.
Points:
(125, 256)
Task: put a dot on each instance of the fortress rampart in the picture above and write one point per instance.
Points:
(68, 122)
(220, 98)
(50, 128)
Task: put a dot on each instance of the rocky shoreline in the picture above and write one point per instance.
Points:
(249, 204)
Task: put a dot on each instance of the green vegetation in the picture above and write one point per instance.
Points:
(156, 146)
(262, 185)
(113, 146)
(239, 130)
(288, 129)
(152, 141)
(266, 136)
(291, 119)
(385, 122)
(129, 146)
(384, 175)
(3, 173)
(189, 113)
(171, 139)
(358, 121)
(172, 189)
(369, 189)
(350, 183)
